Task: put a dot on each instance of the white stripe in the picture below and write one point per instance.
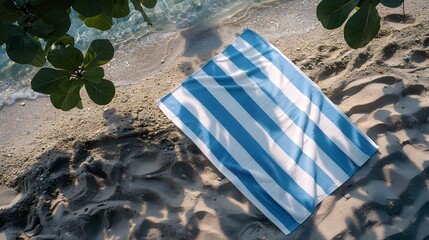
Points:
(236, 181)
(302, 178)
(294, 132)
(283, 198)
(365, 158)
(300, 100)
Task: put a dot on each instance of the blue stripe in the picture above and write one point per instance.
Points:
(309, 90)
(249, 143)
(276, 133)
(299, 117)
(243, 175)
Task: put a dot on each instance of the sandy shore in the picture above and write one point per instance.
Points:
(125, 171)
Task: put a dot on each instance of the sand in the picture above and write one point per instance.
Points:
(124, 171)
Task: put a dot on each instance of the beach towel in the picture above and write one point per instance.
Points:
(269, 129)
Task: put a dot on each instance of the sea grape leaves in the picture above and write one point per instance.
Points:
(88, 8)
(9, 13)
(364, 23)
(59, 19)
(21, 47)
(101, 21)
(23, 23)
(102, 92)
(63, 40)
(333, 13)
(392, 3)
(39, 60)
(37, 26)
(99, 52)
(76, 71)
(363, 26)
(4, 33)
(120, 8)
(149, 3)
(67, 97)
(40, 7)
(94, 75)
(66, 58)
(47, 80)
(109, 9)
(138, 6)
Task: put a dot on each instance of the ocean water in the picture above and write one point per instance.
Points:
(268, 17)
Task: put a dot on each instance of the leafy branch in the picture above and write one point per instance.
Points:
(362, 26)
(36, 30)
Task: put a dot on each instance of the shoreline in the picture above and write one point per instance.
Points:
(166, 43)
(132, 169)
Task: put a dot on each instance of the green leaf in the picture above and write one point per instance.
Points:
(63, 40)
(21, 47)
(67, 58)
(392, 3)
(59, 19)
(79, 105)
(39, 60)
(47, 80)
(101, 93)
(94, 75)
(9, 12)
(101, 22)
(333, 13)
(68, 96)
(115, 8)
(106, 7)
(99, 52)
(40, 7)
(38, 27)
(20, 3)
(149, 3)
(138, 6)
(88, 8)
(120, 8)
(363, 26)
(4, 33)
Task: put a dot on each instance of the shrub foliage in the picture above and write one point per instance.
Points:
(362, 26)
(36, 30)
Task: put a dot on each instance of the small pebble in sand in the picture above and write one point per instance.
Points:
(22, 104)
(406, 59)
(347, 196)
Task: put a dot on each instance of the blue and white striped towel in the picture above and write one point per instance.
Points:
(269, 129)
